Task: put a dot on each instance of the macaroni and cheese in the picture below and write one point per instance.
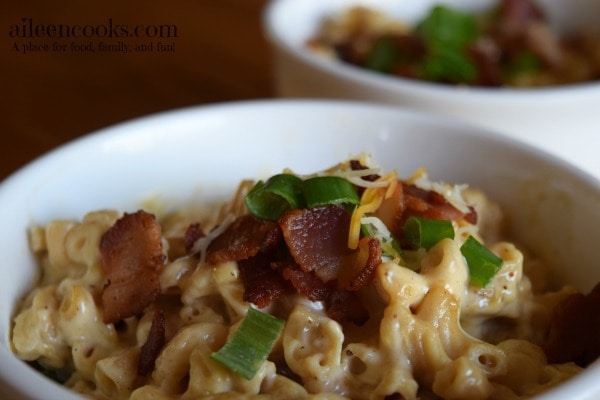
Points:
(367, 314)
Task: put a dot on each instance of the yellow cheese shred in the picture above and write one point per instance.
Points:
(419, 173)
(369, 202)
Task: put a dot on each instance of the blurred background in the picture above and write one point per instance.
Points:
(175, 54)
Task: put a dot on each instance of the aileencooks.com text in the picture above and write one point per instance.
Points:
(27, 28)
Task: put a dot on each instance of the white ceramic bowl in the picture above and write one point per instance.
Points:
(562, 120)
(202, 153)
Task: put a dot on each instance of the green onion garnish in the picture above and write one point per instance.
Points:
(383, 55)
(447, 64)
(523, 64)
(251, 343)
(329, 190)
(446, 33)
(446, 26)
(280, 193)
(423, 232)
(483, 264)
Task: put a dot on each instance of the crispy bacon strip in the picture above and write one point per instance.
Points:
(345, 306)
(359, 267)
(574, 334)
(317, 238)
(355, 165)
(262, 283)
(485, 53)
(522, 25)
(517, 14)
(192, 234)
(244, 238)
(153, 345)
(341, 305)
(132, 257)
(428, 204)
(305, 283)
(409, 200)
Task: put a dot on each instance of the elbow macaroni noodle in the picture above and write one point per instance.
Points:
(431, 334)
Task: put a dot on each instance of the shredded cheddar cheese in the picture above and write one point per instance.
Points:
(370, 202)
(418, 174)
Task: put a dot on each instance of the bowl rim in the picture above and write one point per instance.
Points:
(191, 111)
(272, 32)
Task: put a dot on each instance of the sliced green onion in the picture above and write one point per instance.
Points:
(374, 227)
(423, 232)
(251, 343)
(280, 193)
(448, 64)
(446, 26)
(446, 32)
(269, 200)
(329, 190)
(483, 264)
(383, 55)
(523, 64)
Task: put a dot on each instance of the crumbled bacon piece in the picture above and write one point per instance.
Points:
(522, 26)
(575, 330)
(471, 216)
(153, 345)
(341, 305)
(305, 283)
(355, 165)
(519, 12)
(409, 200)
(428, 204)
(316, 249)
(287, 277)
(192, 234)
(132, 257)
(512, 21)
(359, 266)
(345, 306)
(244, 238)
(485, 53)
(317, 238)
(262, 284)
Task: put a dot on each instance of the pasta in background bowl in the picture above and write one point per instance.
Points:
(541, 116)
(199, 156)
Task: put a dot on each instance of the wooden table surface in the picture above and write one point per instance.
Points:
(56, 88)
